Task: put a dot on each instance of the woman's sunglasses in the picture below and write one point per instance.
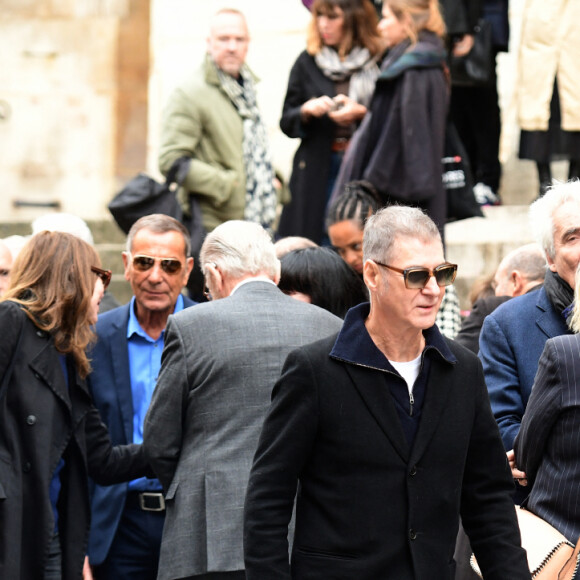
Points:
(142, 263)
(417, 277)
(104, 275)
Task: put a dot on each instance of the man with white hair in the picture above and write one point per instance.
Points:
(219, 364)
(5, 267)
(514, 335)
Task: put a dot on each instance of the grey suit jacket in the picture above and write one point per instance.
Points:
(548, 444)
(220, 362)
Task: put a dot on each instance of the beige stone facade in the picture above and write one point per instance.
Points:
(83, 82)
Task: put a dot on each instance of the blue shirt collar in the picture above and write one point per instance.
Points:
(355, 345)
(135, 328)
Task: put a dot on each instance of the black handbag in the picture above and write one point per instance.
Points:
(143, 196)
(457, 178)
(476, 67)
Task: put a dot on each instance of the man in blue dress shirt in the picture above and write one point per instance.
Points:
(127, 519)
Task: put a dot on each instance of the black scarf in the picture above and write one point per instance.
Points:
(559, 293)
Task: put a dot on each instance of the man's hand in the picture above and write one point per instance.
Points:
(518, 475)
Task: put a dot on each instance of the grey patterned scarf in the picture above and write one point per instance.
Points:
(358, 65)
(261, 199)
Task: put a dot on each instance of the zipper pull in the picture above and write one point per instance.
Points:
(411, 403)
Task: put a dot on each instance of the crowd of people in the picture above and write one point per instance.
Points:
(321, 409)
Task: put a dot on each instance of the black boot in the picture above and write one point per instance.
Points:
(544, 176)
(574, 169)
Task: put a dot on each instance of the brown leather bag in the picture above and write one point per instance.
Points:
(550, 555)
(570, 570)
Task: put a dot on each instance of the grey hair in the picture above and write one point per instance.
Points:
(541, 213)
(389, 223)
(529, 259)
(240, 248)
(159, 223)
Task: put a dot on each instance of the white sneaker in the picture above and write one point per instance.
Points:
(484, 195)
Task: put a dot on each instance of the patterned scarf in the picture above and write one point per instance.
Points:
(261, 199)
(358, 66)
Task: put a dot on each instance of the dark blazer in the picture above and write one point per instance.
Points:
(468, 335)
(110, 386)
(41, 417)
(304, 215)
(511, 342)
(548, 444)
(368, 507)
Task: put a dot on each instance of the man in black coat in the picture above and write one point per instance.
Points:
(388, 430)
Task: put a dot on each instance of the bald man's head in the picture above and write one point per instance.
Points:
(228, 41)
(520, 270)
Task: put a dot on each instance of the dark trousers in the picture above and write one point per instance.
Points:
(476, 115)
(463, 551)
(53, 567)
(134, 553)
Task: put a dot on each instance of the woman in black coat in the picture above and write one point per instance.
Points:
(329, 89)
(399, 145)
(51, 435)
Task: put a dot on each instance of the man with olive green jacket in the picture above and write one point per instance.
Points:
(214, 119)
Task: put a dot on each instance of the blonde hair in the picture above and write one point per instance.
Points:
(360, 26)
(52, 279)
(423, 14)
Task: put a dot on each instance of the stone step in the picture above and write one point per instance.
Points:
(120, 288)
(478, 245)
(104, 231)
(111, 257)
(109, 242)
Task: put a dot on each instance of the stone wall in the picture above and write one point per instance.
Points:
(73, 102)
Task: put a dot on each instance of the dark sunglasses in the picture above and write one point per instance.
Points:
(168, 265)
(104, 275)
(417, 277)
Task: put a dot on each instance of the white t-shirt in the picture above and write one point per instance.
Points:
(408, 370)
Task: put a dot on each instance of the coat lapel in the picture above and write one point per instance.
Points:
(439, 386)
(47, 366)
(119, 355)
(548, 320)
(380, 404)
